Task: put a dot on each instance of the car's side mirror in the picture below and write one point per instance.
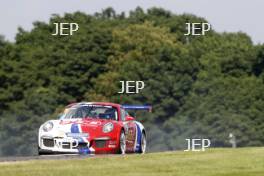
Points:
(129, 118)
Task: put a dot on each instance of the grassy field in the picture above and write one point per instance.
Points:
(214, 162)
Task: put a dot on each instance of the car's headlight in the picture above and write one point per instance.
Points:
(108, 127)
(47, 126)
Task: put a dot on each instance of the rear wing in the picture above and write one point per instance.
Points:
(137, 107)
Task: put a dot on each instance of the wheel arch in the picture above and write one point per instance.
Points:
(140, 131)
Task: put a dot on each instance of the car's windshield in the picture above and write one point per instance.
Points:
(90, 111)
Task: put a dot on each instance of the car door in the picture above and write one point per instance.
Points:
(130, 131)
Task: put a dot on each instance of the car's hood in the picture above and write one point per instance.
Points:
(92, 127)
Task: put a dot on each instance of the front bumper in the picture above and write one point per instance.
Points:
(52, 152)
(53, 145)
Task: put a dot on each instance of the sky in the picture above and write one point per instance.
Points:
(224, 15)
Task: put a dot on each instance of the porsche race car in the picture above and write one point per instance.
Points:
(93, 127)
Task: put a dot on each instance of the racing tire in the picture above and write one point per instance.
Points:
(143, 143)
(39, 151)
(122, 143)
(43, 152)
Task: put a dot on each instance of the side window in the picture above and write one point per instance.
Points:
(123, 114)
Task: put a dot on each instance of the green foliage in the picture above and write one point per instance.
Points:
(199, 86)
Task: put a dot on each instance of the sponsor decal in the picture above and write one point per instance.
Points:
(77, 135)
(95, 123)
(94, 105)
(65, 122)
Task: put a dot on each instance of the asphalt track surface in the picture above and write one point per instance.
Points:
(54, 157)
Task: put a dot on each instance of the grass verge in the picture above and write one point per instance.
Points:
(213, 162)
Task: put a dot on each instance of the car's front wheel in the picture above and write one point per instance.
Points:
(122, 143)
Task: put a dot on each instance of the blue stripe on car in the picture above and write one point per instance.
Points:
(85, 150)
(138, 145)
(75, 129)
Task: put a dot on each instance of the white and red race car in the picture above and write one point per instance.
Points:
(93, 127)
